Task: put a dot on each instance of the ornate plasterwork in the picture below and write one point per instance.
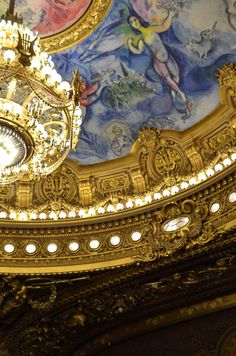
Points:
(68, 201)
(80, 30)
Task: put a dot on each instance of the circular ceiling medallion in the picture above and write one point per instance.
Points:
(61, 23)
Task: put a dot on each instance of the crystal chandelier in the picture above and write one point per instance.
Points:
(40, 116)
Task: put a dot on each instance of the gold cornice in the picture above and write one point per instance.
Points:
(78, 31)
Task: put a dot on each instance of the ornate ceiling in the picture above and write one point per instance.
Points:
(149, 237)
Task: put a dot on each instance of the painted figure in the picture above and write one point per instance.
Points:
(163, 62)
(56, 14)
(204, 45)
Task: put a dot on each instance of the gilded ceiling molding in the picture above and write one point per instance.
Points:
(175, 191)
(80, 30)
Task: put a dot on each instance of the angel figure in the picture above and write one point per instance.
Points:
(163, 62)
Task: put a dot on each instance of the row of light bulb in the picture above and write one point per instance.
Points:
(73, 246)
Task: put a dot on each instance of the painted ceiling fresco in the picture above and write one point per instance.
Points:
(49, 17)
(151, 63)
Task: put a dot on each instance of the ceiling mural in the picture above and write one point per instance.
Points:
(150, 63)
(49, 17)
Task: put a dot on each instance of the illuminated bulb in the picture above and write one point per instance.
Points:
(101, 210)
(157, 196)
(91, 212)
(120, 206)
(82, 213)
(64, 86)
(233, 156)
(7, 107)
(192, 181)
(52, 247)
(72, 214)
(184, 185)
(46, 71)
(232, 197)
(218, 167)
(42, 216)
(23, 216)
(115, 240)
(94, 244)
(62, 215)
(129, 204)
(35, 63)
(73, 246)
(33, 216)
(9, 55)
(110, 208)
(3, 215)
(202, 176)
(148, 199)
(55, 77)
(166, 193)
(227, 162)
(30, 248)
(174, 189)
(210, 172)
(78, 111)
(12, 215)
(9, 248)
(136, 236)
(215, 207)
(52, 215)
(138, 202)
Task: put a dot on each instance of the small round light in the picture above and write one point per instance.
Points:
(73, 246)
(174, 189)
(227, 162)
(31, 248)
(82, 213)
(192, 181)
(120, 206)
(52, 215)
(94, 244)
(214, 208)
(184, 185)
(33, 216)
(52, 247)
(115, 240)
(202, 176)
(62, 215)
(148, 199)
(65, 86)
(35, 63)
(91, 212)
(210, 172)
(218, 167)
(3, 215)
(129, 204)
(9, 55)
(101, 210)
(23, 216)
(136, 236)
(232, 197)
(9, 248)
(42, 216)
(110, 208)
(157, 196)
(46, 71)
(12, 215)
(233, 156)
(138, 202)
(72, 214)
(166, 193)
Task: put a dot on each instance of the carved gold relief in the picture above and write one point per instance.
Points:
(80, 30)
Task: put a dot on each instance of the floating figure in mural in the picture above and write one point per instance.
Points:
(204, 46)
(163, 62)
(121, 142)
(231, 12)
